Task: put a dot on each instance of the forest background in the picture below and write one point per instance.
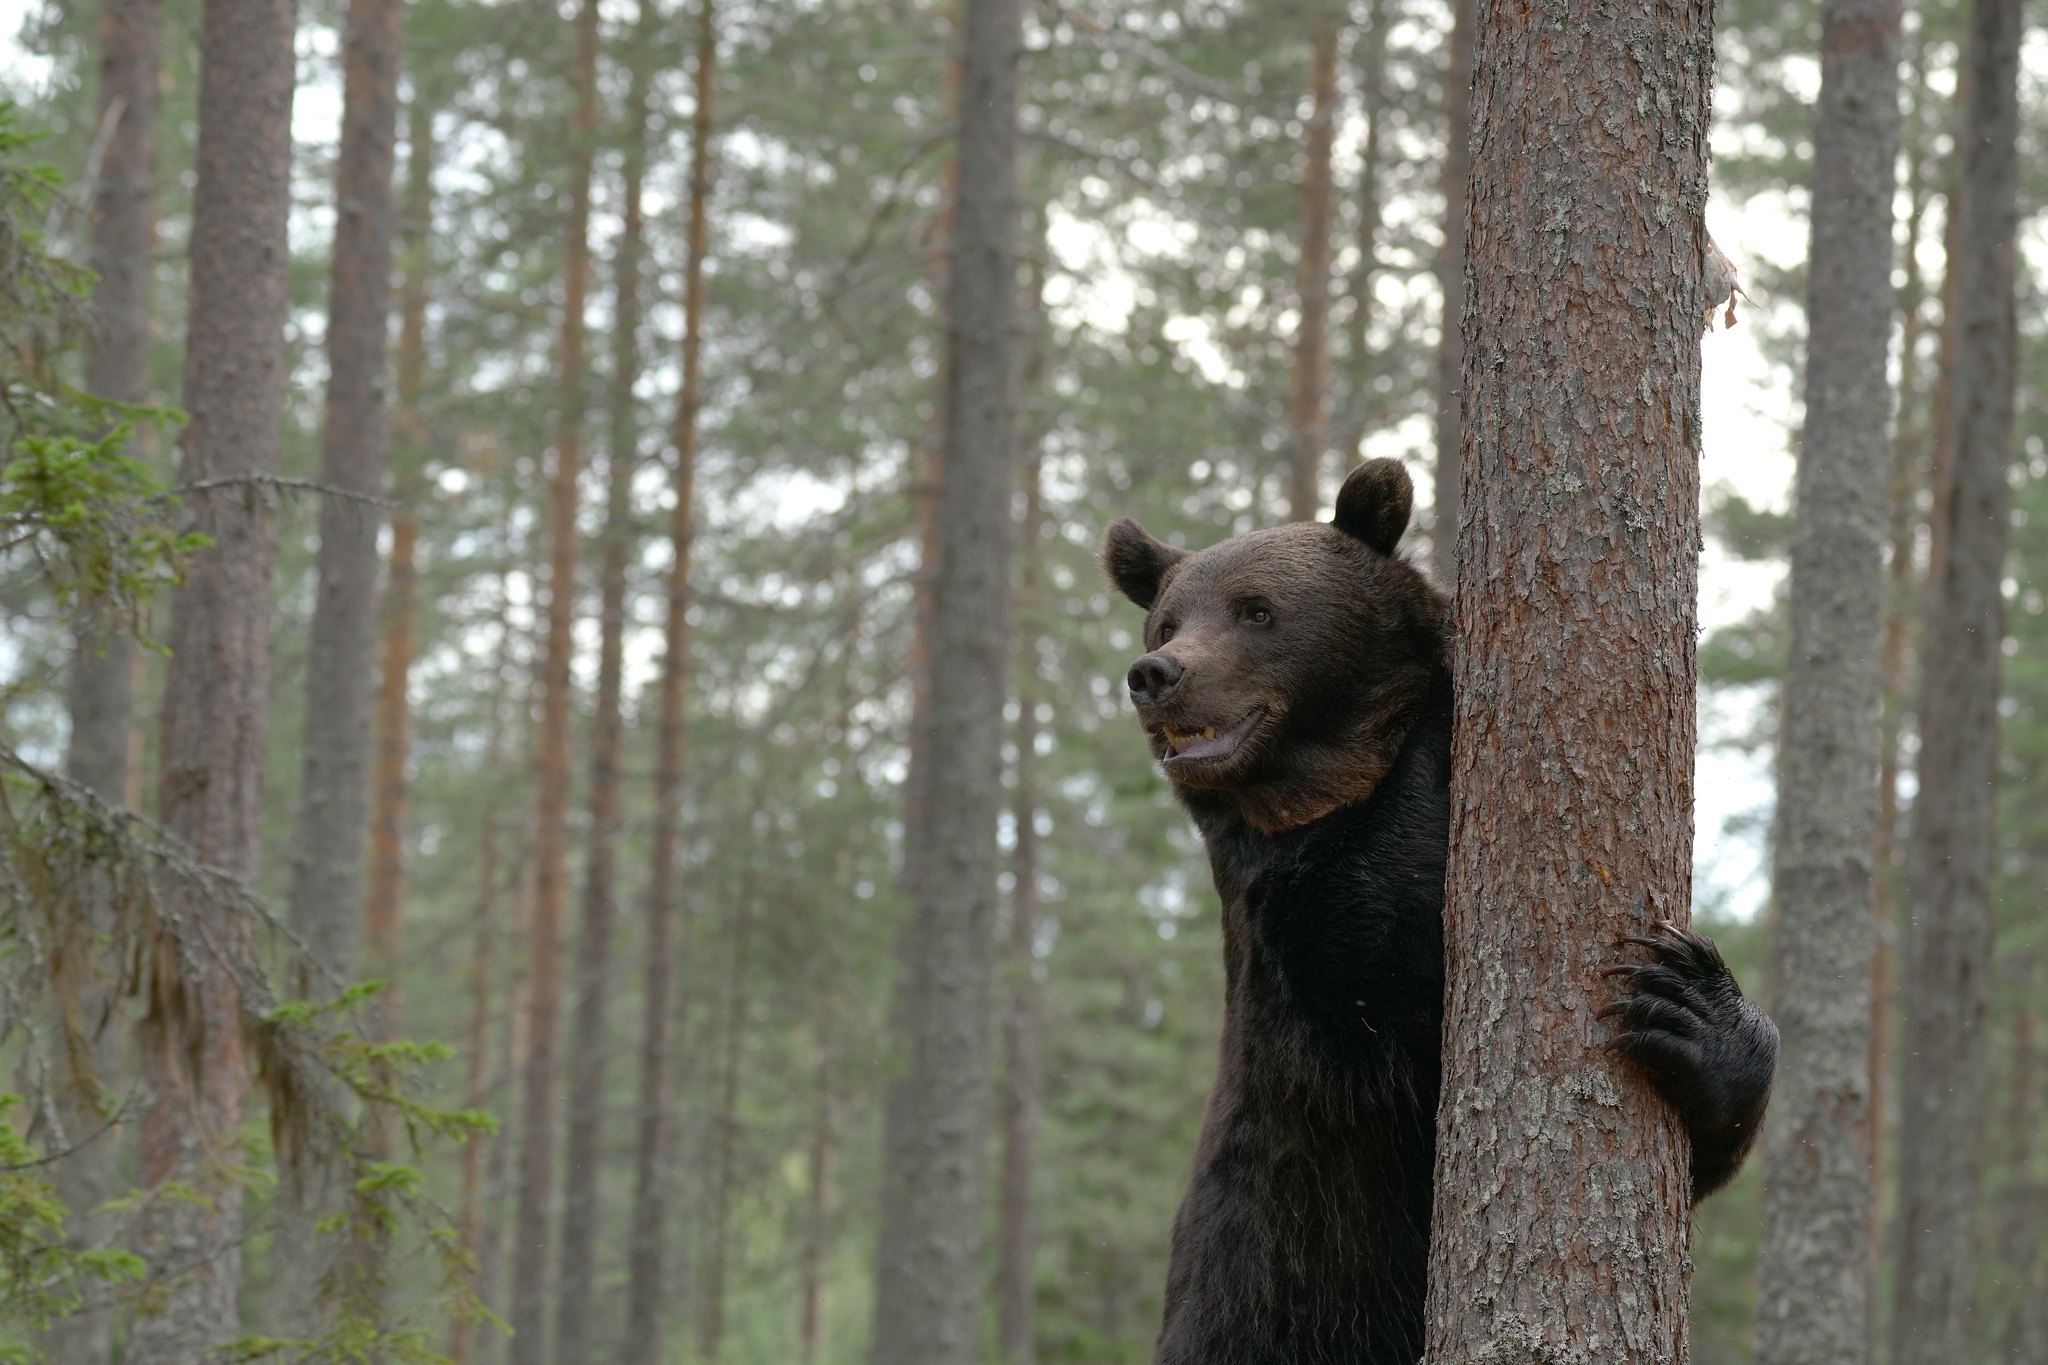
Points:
(1166, 165)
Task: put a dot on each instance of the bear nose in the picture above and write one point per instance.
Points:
(1153, 679)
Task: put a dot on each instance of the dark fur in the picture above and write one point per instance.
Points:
(1304, 1234)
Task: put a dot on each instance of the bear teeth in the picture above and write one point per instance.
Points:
(1208, 732)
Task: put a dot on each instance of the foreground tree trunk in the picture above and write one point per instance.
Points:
(1950, 846)
(647, 1241)
(1306, 398)
(1562, 1187)
(326, 903)
(102, 674)
(538, 1111)
(929, 1280)
(1814, 1278)
(210, 790)
(588, 1053)
(1450, 278)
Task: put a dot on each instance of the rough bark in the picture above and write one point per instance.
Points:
(103, 662)
(647, 1286)
(210, 788)
(1814, 1278)
(537, 1114)
(1562, 1189)
(588, 1053)
(929, 1283)
(1023, 1081)
(1306, 396)
(1450, 278)
(1950, 847)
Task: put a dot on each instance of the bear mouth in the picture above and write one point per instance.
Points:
(1209, 742)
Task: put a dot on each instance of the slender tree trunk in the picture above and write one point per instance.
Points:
(648, 1287)
(326, 899)
(499, 1177)
(117, 355)
(1371, 57)
(1451, 284)
(1306, 400)
(327, 874)
(724, 1134)
(1562, 1188)
(210, 791)
(1814, 1280)
(1018, 1110)
(530, 1258)
(1910, 442)
(476, 1045)
(929, 1277)
(588, 1052)
(1950, 846)
(104, 656)
(817, 1249)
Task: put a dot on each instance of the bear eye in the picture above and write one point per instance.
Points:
(1256, 613)
(1166, 629)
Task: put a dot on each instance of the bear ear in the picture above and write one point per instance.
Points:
(1135, 562)
(1373, 504)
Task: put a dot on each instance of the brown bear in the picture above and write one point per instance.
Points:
(1294, 689)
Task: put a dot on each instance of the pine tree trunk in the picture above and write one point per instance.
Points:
(1950, 847)
(1371, 59)
(1306, 401)
(117, 356)
(929, 1279)
(101, 697)
(327, 874)
(1814, 1278)
(538, 1109)
(647, 1241)
(476, 1047)
(1019, 1103)
(817, 1249)
(1909, 458)
(1450, 278)
(326, 899)
(724, 1134)
(1562, 1189)
(210, 791)
(588, 1051)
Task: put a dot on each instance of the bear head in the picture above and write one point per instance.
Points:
(1283, 668)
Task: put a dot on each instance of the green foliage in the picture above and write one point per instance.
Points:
(42, 1276)
(95, 523)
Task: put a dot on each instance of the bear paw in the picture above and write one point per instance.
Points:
(1708, 1051)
